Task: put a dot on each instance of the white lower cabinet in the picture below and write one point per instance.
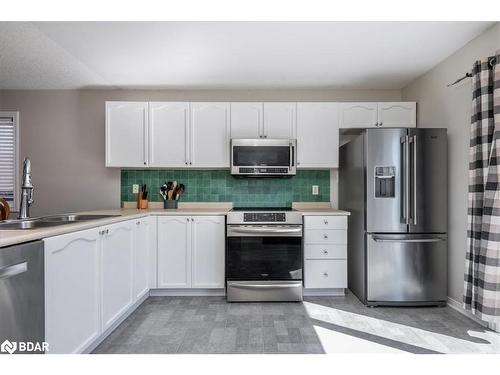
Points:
(191, 252)
(117, 257)
(72, 291)
(174, 255)
(325, 252)
(208, 248)
(144, 256)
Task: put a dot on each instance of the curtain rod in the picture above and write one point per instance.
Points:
(492, 61)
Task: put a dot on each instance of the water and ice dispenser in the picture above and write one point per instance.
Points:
(385, 180)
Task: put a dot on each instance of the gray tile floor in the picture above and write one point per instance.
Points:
(318, 325)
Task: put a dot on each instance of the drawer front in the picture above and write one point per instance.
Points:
(331, 273)
(325, 222)
(324, 236)
(327, 251)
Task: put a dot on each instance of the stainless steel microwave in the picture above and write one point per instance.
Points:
(263, 157)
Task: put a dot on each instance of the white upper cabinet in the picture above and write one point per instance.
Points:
(317, 135)
(117, 257)
(126, 134)
(397, 114)
(209, 134)
(280, 120)
(72, 291)
(246, 120)
(208, 248)
(358, 115)
(383, 114)
(168, 134)
(174, 252)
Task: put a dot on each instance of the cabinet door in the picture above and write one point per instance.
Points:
(317, 135)
(208, 250)
(246, 120)
(280, 120)
(209, 134)
(126, 134)
(142, 257)
(397, 114)
(168, 138)
(174, 252)
(358, 115)
(72, 291)
(117, 256)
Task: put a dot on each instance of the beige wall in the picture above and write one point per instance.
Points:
(450, 107)
(63, 133)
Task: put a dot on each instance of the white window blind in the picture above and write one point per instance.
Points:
(8, 157)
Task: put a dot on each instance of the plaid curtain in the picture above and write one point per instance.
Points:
(482, 264)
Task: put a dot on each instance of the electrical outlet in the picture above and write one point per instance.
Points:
(315, 190)
(135, 188)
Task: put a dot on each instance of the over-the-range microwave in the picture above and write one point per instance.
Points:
(263, 157)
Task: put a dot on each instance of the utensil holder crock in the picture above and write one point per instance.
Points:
(169, 204)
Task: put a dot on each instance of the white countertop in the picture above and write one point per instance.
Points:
(12, 237)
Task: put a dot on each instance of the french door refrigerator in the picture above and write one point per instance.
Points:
(394, 183)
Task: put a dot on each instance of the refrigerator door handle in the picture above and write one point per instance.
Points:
(407, 240)
(406, 179)
(414, 184)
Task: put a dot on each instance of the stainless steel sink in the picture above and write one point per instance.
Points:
(49, 221)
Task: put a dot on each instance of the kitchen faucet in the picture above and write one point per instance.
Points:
(26, 191)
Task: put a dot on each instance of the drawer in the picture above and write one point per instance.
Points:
(328, 273)
(325, 222)
(324, 236)
(328, 251)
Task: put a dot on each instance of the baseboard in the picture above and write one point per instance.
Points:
(457, 306)
(119, 321)
(187, 292)
(336, 292)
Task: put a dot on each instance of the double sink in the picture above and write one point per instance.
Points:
(49, 221)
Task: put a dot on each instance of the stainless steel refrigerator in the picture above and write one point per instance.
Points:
(394, 183)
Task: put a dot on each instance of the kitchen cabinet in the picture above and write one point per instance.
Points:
(247, 120)
(72, 291)
(325, 252)
(317, 135)
(209, 135)
(126, 126)
(397, 114)
(117, 257)
(168, 134)
(191, 252)
(383, 114)
(144, 245)
(208, 248)
(280, 120)
(174, 255)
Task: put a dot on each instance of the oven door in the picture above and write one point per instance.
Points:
(267, 252)
(263, 157)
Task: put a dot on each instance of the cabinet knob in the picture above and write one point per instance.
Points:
(186, 163)
(190, 163)
(325, 252)
(325, 274)
(107, 231)
(137, 223)
(380, 124)
(187, 219)
(325, 236)
(326, 221)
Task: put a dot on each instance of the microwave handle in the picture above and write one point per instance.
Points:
(292, 155)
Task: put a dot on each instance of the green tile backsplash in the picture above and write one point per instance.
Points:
(220, 186)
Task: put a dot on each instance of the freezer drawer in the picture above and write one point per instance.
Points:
(406, 268)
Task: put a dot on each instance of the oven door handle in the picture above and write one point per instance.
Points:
(266, 286)
(266, 230)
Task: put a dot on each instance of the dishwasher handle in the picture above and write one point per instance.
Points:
(13, 270)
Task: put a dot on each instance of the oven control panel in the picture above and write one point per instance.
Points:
(264, 217)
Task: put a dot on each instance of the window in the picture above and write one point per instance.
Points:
(9, 160)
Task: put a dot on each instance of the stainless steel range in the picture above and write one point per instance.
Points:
(264, 255)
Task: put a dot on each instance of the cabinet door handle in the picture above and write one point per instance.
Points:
(325, 252)
(325, 274)
(325, 236)
(326, 221)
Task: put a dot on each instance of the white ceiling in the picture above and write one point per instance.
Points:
(233, 55)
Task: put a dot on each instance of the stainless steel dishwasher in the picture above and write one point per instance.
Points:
(22, 293)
